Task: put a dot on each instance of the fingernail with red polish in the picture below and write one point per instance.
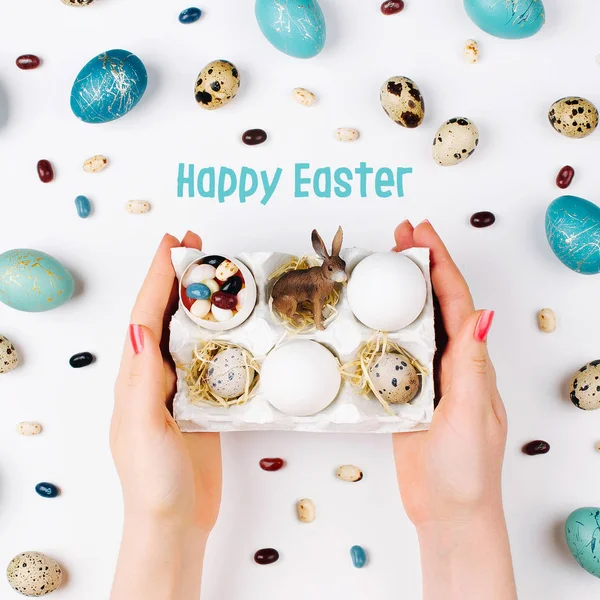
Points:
(136, 337)
(484, 325)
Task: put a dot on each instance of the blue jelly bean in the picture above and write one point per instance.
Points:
(198, 291)
(190, 15)
(47, 490)
(359, 556)
(83, 206)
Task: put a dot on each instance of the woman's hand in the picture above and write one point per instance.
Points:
(171, 481)
(450, 476)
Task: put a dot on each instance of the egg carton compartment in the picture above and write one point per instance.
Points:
(344, 336)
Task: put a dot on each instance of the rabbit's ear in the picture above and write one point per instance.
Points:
(336, 246)
(319, 245)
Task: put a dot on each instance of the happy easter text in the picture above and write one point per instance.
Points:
(246, 184)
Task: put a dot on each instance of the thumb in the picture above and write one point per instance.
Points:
(147, 372)
(470, 361)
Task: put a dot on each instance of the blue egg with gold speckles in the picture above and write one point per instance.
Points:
(582, 531)
(33, 281)
(508, 19)
(295, 27)
(573, 232)
(108, 87)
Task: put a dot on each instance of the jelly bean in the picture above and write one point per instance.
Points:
(483, 219)
(199, 274)
(95, 164)
(253, 137)
(45, 171)
(346, 134)
(349, 473)
(306, 510)
(226, 270)
(47, 490)
(271, 464)
(83, 206)
(233, 285)
(304, 97)
(200, 308)
(565, 177)
(221, 314)
(241, 299)
(82, 359)
(27, 62)
(536, 447)
(213, 260)
(359, 556)
(224, 300)
(547, 320)
(198, 291)
(266, 556)
(138, 207)
(471, 51)
(29, 428)
(392, 7)
(189, 15)
(212, 285)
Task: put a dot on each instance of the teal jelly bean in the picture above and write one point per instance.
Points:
(84, 207)
(198, 291)
(359, 556)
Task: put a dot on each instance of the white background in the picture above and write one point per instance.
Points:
(509, 267)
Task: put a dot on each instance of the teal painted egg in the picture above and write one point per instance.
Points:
(583, 538)
(573, 232)
(509, 19)
(296, 27)
(108, 87)
(33, 281)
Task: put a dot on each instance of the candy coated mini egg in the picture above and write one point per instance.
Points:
(509, 19)
(228, 373)
(300, 378)
(33, 281)
(582, 532)
(387, 291)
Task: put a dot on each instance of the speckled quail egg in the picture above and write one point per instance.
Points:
(228, 373)
(455, 141)
(34, 574)
(573, 117)
(394, 378)
(402, 101)
(217, 84)
(9, 359)
(585, 387)
(77, 2)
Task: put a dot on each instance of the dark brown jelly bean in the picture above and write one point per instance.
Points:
(82, 359)
(45, 171)
(392, 7)
(213, 260)
(266, 556)
(27, 62)
(253, 137)
(224, 300)
(565, 177)
(536, 447)
(233, 285)
(271, 464)
(483, 219)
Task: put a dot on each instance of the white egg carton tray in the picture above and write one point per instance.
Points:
(350, 411)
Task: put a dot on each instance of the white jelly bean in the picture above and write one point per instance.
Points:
(306, 510)
(212, 285)
(472, 51)
(547, 320)
(346, 134)
(241, 299)
(349, 473)
(138, 207)
(304, 97)
(221, 314)
(199, 274)
(29, 428)
(95, 164)
(200, 308)
(226, 269)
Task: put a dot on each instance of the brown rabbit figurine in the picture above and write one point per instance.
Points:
(314, 284)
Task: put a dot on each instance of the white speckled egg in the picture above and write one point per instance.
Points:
(585, 387)
(217, 84)
(228, 374)
(9, 359)
(34, 574)
(402, 101)
(394, 378)
(573, 117)
(455, 141)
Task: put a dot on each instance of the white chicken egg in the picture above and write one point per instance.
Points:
(387, 291)
(300, 378)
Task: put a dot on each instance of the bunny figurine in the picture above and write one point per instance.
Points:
(314, 284)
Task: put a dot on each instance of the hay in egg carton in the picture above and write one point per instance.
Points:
(356, 408)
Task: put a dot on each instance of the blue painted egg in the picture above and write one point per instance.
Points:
(573, 232)
(296, 27)
(509, 19)
(33, 281)
(108, 87)
(583, 538)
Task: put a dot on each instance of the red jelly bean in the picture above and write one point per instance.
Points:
(253, 137)
(392, 7)
(45, 171)
(565, 177)
(27, 62)
(224, 300)
(187, 302)
(483, 219)
(536, 447)
(266, 556)
(271, 464)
